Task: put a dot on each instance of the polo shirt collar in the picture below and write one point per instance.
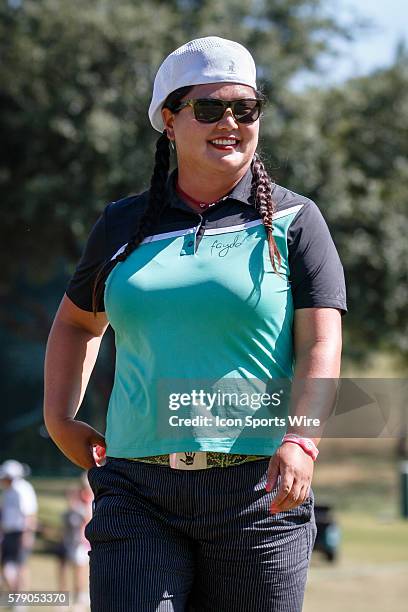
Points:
(240, 193)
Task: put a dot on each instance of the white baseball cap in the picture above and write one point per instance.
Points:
(12, 469)
(204, 60)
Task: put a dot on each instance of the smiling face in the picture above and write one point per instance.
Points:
(223, 148)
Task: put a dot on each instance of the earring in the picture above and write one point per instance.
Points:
(172, 144)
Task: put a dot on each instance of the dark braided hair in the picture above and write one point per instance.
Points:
(261, 194)
(157, 201)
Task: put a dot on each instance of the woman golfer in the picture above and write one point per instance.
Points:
(215, 278)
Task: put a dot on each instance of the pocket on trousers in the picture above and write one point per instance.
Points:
(93, 475)
(90, 474)
(93, 472)
(311, 531)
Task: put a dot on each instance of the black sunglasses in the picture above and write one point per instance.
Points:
(210, 110)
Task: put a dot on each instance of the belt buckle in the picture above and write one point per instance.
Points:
(188, 461)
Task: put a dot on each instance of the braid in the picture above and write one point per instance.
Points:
(157, 203)
(261, 193)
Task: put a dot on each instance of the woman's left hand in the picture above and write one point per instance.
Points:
(296, 470)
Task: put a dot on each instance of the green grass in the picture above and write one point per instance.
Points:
(360, 479)
(371, 572)
(377, 541)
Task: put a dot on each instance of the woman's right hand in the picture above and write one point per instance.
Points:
(77, 440)
(72, 349)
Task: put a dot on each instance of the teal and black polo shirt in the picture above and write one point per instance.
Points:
(198, 300)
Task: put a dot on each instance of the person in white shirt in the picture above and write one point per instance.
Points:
(18, 522)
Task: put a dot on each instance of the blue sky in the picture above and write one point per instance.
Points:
(373, 47)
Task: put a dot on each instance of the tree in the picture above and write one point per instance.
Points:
(361, 177)
(76, 84)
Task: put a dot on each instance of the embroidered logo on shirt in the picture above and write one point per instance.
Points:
(223, 248)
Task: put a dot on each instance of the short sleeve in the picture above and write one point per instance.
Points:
(28, 500)
(316, 273)
(80, 286)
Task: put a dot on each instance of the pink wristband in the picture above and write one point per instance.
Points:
(306, 443)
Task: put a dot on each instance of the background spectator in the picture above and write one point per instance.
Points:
(18, 523)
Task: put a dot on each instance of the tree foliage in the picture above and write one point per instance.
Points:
(359, 173)
(76, 84)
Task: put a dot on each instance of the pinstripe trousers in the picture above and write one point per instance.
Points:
(194, 541)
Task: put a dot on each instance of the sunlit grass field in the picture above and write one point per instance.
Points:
(360, 479)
